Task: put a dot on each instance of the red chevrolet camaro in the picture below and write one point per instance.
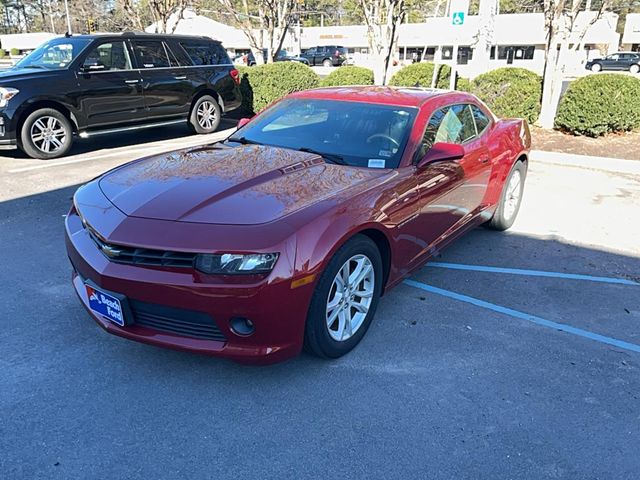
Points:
(287, 233)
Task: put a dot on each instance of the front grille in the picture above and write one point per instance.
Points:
(141, 256)
(187, 323)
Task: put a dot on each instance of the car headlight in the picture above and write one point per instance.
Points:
(6, 94)
(234, 263)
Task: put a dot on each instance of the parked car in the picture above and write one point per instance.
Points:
(86, 85)
(618, 61)
(328, 56)
(287, 233)
(283, 56)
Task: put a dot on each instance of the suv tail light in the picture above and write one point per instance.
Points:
(235, 74)
(337, 54)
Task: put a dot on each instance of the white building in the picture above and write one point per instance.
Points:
(631, 35)
(24, 42)
(515, 39)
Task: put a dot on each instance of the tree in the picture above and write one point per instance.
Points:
(264, 22)
(564, 35)
(382, 19)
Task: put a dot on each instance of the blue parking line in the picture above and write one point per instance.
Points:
(531, 273)
(525, 316)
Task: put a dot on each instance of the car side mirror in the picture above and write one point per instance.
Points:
(440, 152)
(243, 121)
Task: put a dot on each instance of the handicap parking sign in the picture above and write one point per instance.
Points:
(457, 18)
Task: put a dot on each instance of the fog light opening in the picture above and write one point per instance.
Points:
(241, 326)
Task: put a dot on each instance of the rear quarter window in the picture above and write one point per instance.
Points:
(205, 53)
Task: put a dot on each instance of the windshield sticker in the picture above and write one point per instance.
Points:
(385, 153)
(377, 163)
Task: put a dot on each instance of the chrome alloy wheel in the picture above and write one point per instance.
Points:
(206, 114)
(350, 297)
(48, 134)
(512, 196)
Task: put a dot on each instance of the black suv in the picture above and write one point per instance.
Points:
(87, 85)
(331, 56)
(617, 61)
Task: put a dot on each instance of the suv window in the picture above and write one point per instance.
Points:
(205, 53)
(482, 121)
(151, 54)
(109, 56)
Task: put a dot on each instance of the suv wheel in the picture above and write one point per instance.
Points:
(205, 115)
(634, 68)
(46, 134)
(596, 67)
(327, 63)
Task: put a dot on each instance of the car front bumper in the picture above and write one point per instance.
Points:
(277, 311)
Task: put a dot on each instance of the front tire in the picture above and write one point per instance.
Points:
(345, 299)
(205, 115)
(510, 200)
(596, 67)
(46, 134)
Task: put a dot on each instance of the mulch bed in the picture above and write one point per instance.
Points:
(624, 145)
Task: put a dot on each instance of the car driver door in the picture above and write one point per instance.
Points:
(450, 190)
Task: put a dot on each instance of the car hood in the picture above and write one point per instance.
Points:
(23, 74)
(243, 185)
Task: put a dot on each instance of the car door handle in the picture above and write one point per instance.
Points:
(181, 77)
(484, 159)
(131, 81)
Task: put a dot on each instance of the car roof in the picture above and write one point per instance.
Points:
(144, 35)
(401, 96)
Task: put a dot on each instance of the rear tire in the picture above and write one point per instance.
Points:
(205, 115)
(634, 69)
(510, 200)
(327, 63)
(46, 134)
(341, 311)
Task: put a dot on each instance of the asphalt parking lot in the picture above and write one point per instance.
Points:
(513, 355)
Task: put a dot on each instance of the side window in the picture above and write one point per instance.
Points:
(482, 120)
(177, 55)
(454, 124)
(151, 54)
(205, 53)
(108, 56)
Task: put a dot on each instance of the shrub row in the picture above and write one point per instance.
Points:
(593, 105)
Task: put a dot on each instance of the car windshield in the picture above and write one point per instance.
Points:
(54, 55)
(352, 133)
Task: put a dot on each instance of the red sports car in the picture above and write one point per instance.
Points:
(286, 234)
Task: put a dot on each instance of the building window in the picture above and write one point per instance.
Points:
(513, 52)
(447, 52)
(464, 55)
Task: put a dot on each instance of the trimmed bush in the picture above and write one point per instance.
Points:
(510, 92)
(348, 75)
(3, 53)
(420, 74)
(264, 84)
(15, 51)
(599, 104)
(464, 85)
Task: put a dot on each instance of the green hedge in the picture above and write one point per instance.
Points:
(464, 85)
(599, 104)
(3, 53)
(15, 51)
(510, 92)
(420, 74)
(348, 75)
(264, 84)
